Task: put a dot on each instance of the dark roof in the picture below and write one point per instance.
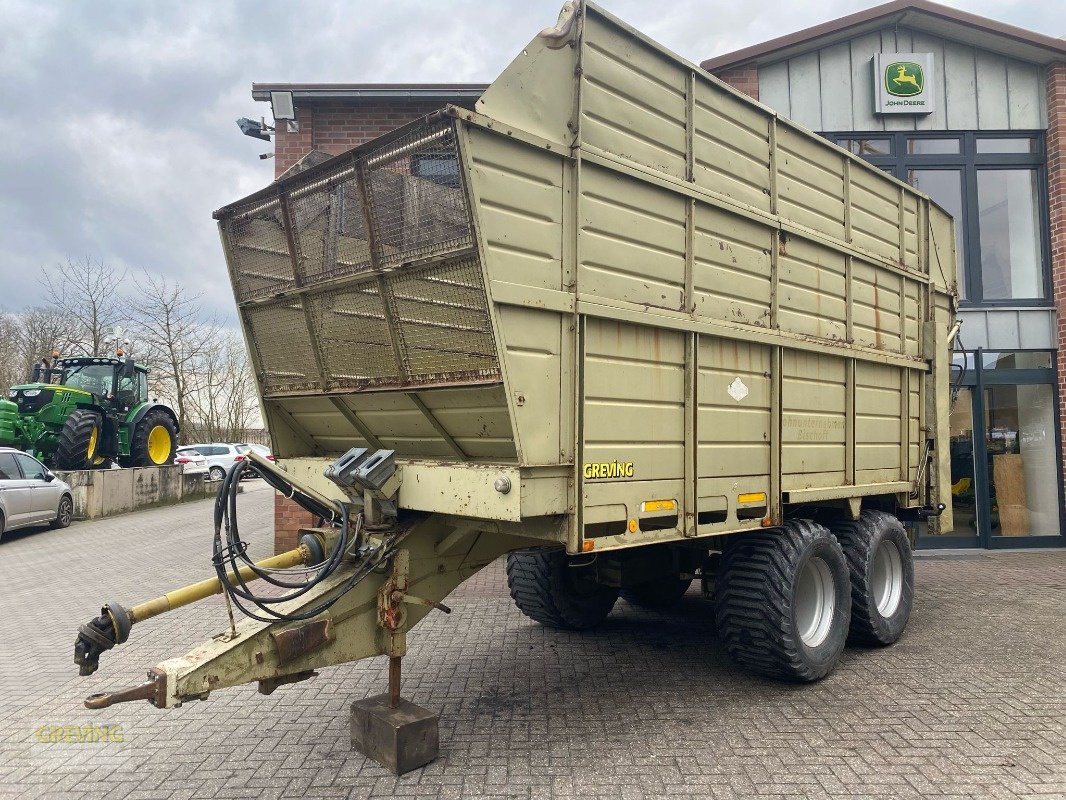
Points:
(357, 92)
(932, 18)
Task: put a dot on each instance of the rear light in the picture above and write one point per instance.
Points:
(271, 458)
(238, 458)
(182, 460)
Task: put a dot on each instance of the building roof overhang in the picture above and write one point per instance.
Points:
(305, 93)
(932, 18)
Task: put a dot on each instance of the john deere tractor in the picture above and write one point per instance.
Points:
(85, 413)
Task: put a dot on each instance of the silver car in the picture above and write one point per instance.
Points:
(31, 494)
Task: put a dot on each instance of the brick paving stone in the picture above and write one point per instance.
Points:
(969, 704)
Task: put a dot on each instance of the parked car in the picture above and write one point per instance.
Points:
(31, 494)
(192, 461)
(221, 457)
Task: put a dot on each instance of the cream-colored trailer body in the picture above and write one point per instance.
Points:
(654, 306)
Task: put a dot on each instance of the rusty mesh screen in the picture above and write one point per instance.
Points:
(381, 286)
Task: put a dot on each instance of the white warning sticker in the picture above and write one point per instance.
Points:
(737, 389)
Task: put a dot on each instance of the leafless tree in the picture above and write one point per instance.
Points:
(173, 337)
(42, 330)
(224, 404)
(10, 356)
(90, 291)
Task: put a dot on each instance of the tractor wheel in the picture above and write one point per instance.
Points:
(547, 589)
(659, 594)
(155, 440)
(79, 441)
(783, 601)
(878, 553)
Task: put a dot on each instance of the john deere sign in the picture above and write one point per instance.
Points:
(903, 83)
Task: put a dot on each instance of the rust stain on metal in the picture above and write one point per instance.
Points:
(293, 643)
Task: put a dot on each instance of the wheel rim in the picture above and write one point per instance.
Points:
(93, 436)
(815, 602)
(65, 512)
(886, 578)
(217, 473)
(158, 444)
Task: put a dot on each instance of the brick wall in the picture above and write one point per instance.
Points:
(288, 519)
(743, 79)
(1056, 174)
(336, 127)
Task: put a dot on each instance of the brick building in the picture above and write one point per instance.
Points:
(967, 109)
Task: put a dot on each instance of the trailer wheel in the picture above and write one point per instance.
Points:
(547, 589)
(79, 441)
(658, 594)
(783, 601)
(879, 559)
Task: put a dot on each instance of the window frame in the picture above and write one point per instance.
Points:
(968, 161)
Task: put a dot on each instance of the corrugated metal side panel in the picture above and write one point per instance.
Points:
(916, 441)
(875, 214)
(632, 240)
(633, 100)
(731, 267)
(831, 89)
(519, 206)
(731, 146)
(810, 182)
(634, 399)
(876, 306)
(813, 420)
(811, 289)
(878, 412)
(518, 200)
(732, 430)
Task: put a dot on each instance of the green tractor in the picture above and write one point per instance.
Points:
(85, 412)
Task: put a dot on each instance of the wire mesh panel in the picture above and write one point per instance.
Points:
(444, 322)
(379, 288)
(280, 337)
(418, 205)
(259, 251)
(354, 335)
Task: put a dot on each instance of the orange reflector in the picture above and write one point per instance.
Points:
(767, 523)
(588, 545)
(633, 526)
(657, 505)
(751, 497)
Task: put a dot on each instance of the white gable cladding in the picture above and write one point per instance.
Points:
(831, 89)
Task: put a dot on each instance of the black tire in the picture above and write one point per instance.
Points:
(216, 473)
(762, 601)
(882, 582)
(77, 447)
(547, 589)
(658, 594)
(2, 523)
(65, 513)
(141, 451)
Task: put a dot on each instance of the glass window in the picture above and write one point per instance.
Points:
(921, 147)
(1035, 359)
(32, 469)
(8, 469)
(1020, 440)
(867, 147)
(1013, 144)
(963, 477)
(945, 187)
(1009, 211)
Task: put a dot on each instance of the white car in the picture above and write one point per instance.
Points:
(192, 461)
(31, 494)
(221, 457)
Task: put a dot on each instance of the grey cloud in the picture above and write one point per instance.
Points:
(117, 118)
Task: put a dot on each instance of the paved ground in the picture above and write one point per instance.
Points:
(970, 704)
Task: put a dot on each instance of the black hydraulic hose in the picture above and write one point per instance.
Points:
(235, 550)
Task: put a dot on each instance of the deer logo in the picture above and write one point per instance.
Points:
(904, 79)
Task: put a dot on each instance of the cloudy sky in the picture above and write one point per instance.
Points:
(117, 134)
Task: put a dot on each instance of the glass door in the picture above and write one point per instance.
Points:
(964, 472)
